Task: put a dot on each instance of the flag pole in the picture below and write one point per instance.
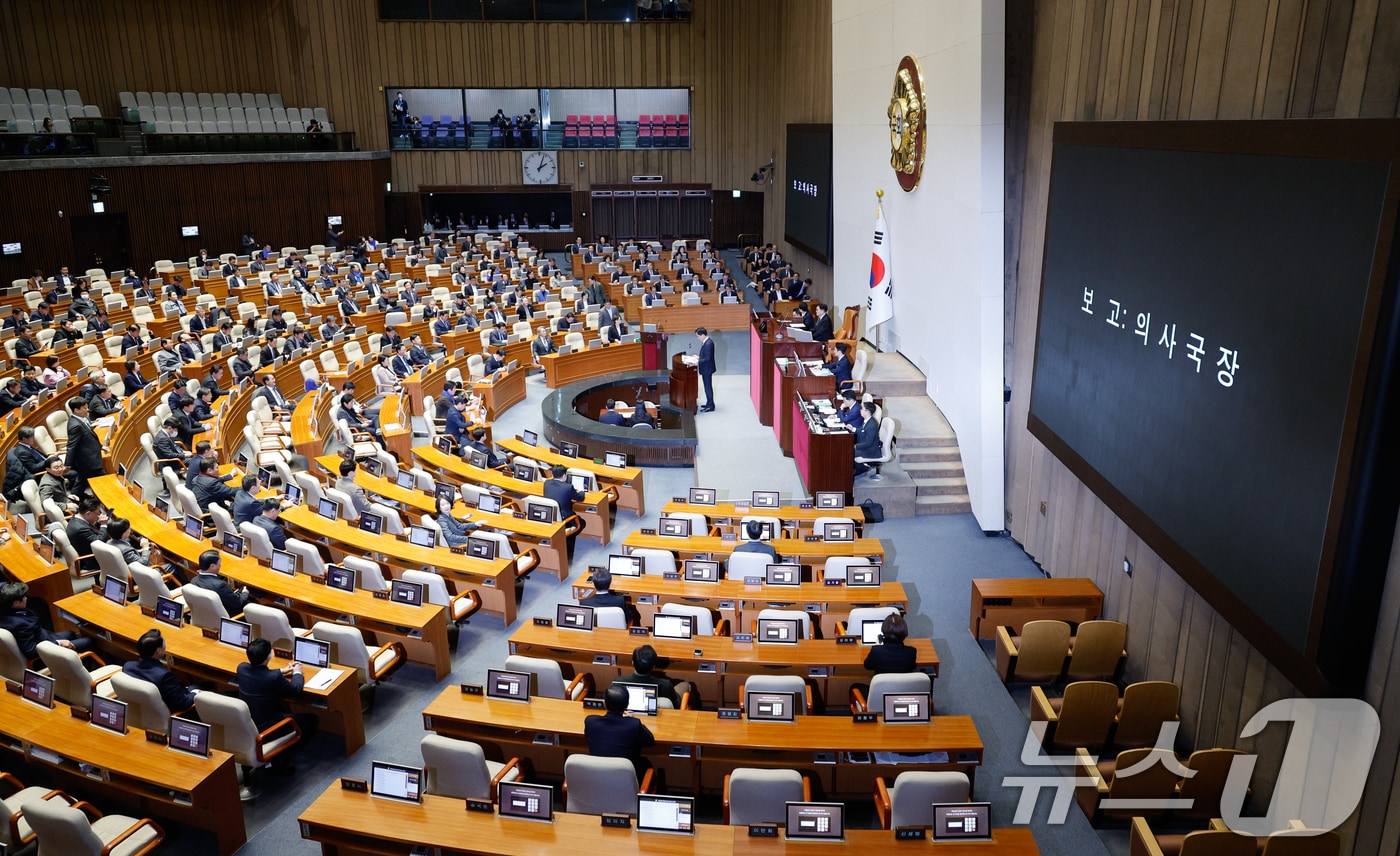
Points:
(879, 206)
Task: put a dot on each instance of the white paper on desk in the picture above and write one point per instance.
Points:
(901, 758)
(690, 360)
(323, 679)
(391, 426)
(105, 422)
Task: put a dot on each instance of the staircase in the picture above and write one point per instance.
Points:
(935, 465)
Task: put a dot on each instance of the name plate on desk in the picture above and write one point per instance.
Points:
(804, 505)
(638, 631)
(728, 536)
(910, 833)
(80, 713)
(617, 821)
(157, 738)
(518, 515)
(681, 499)
(743, 638)
(648, 531)
(544, 622)
(483, 806)
(812, 539)
(381, 595)
(865, 717)
(320, 581)
(833, 582)
(209, 634)
(731, 713)
(593, 704)
(763, 830)
(847, 640)
(471, 689)
(357, 785)
(753, 581)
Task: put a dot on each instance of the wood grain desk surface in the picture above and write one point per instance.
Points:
(545, 455)
(463, 470)
(719, 546)
(783, 512)
(887, 593)
(1037, 587)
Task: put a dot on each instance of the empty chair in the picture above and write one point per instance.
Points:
(12, 662)
(368, 575)
(206, 610)
(73, 683)
(1212, 768)
(15, 830)
(460, 607)
(232, 731)
(549, 679)
(890, 683)
(795, 684)
(110, 561)
(525, 561)
(309, 560)
(151, 584)
(702, 618)
(1144, 707)
(595, 785)
(612, 617)
(1202, 842)
(654, 561)
(910, 801)
(1081, 718)
(803, 619)
(761, 796)
(348, 648)
(1097, 650)
(1037, 655)
(459, 769)
(1149, 783)
(741, 565)
(271, 623)
(145, 707)
(66, 831)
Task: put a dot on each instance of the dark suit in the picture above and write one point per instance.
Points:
(164, 447)
(246, 507)
(840, 369)
(84, 449)
(21, 463)
(81, 534)
(492, 459)
(757, 547)
(887, 658)
(456, 426)
(821, 328)
(263, 689)
(233, 601)
(10, 402)
(129, 341)
(133, 382)
(612, 417)
(176, 695)
(616, 736)
(190, 351)
(28, 632)
(706, 367)
(188, 428)
(275, 533)
(274, 397)
(868, 439)
(563, 493)
(210, 490)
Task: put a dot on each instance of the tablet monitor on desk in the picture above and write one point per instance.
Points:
(232, 544)
(328, 508)
(871, 632)
(194, 527)
(867, 576)
(571, 617)
(340, 578)
(523, 472)
(962, 821)
(189, 736)
(809, 821)
(444, 492)
(477, 458)
(666, 626)
(114, 589)
(241, 462)
(374, 467)
(444, 444)
(235, 633)
(656, 813)
(617, 460)
(514, 686)
(838, 532)
(538, 512)
(406, 480)
(702, 496)
(641, 698)
(782, 575)
(529, 802)
(701, 571)
(530, 438)
(109, 713)
(766, 499)
(264, 477)
(625, 566)
(372, 523)
(582, 483)
(907, 707)
(284, 562)
(311, 652)
(407, 593)
(38, 688)
(830, 499)
(481, 548)
(489, 503)
(294, 493)
(396, 782)
(787, 631)
(162, 508)
(568, 450)
(770, 707)
(674, 527)
(169, 611)
(421, 536)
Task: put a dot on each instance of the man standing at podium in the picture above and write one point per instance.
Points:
(706, 366)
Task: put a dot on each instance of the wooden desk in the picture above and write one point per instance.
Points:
(788, 384)
(727, 515)
(1013, 602)
(421, 629)
(627, 480)
(501, 395)
(157, 780)
(716, 746)
(829, 667)
(684, 319)
(190, 653)
(790, 549)
(49, 582)
(349, 822)
(825, 457)
(595, 511)
(594, 362)
(763, 348)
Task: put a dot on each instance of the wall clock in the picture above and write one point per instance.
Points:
(540, 167)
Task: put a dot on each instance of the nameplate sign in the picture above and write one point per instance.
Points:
(544, 622)
(471, 689)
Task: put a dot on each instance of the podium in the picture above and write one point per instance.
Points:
(685, 383)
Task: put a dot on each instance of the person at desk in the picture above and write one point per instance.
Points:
(184, 415)
(754, 543)
(561, 490)
(840, 367)
(119, 537)
(821, 326)
(210, 564)
(23, 624)
(167, 359)
(42, 316)
(65, 334)
(209, 488)
(23, 461)
(103, 403)
(214, 380)
(892, 656)
(263, 688)
(240, 365)
(617, 734)
(499, 336)
(349, 410)
(267, 522)
(543, 344)
(495, 361)
(603, 595)
(477, 442)
(346, 484)
(246, 506)
(82, 531)
(454, 531)
(133, 381)
(150, 666)
(10, 397)
(642, 416)
(417, 353)
(867, 436)
(643, 666)
(610, 416)
(190, 350)
(849, 410)
(26, 346)
(53, 372)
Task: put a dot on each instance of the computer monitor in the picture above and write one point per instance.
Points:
(524, 472)
(782, 575)
(373, 466)
(341, 578)
(232, 544)
(871, 632)
(396, 782)
(169, 611)
(810, 821)
(264, 477)
(830, 499)
(673, 626)
(572, 617)
(109, 713)
(284, 562)
(615, 459)
(766, 499)
(581, 482)
(137, 493)
(531, 438)
(311, 652)
(421, 536)
(294, 493)
(235, 633)
(444, 492)
(770, 707)
(477, 458)
(372, 523)
(38, 688)
(514, 686)
(489, 503)
(656, 813)
(528, 802)
(674, 527)
(241, 461)
(189, 736)
(538, 512)
(962, 821)
(867, 576)
(406, 480)
(481, 548)
(907, 707)
(568, 450)
(328, 508)
(194, 527)
(641, 698)
(444, 444)
(838, 532)
(701, 571)
(114, 589)
(625, 566)
(162, 508)
(407, 593)
(786, 631)
(702, 496)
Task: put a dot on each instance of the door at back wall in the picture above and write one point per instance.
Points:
(100, 241)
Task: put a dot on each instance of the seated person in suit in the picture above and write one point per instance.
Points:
(642, 416)
(561, 490)
(454, 531)
(267, 522)
(477, 442)
(611, 416)
(617, 734)
(753, 532)
(495, 361)
(456, 426)
(23, 624)
(10, 397)
(543, 344)
(346, 485)
(849, 409)
(119, 536)
(499, 335)
(891, 655)
(210, 563)
(246, 506)
(840, 367)
(867, 436)
(133, 381)
(603, 595)
(643, 664)
(82, 531)
(150, 666)
(263, 688)
(208, 488)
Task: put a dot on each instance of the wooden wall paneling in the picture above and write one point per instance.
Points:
(1381, 80)
(1241, 72)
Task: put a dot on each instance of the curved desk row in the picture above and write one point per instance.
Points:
(665, 447)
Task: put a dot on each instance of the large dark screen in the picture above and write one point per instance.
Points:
(1200, 318)
(808, 223)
